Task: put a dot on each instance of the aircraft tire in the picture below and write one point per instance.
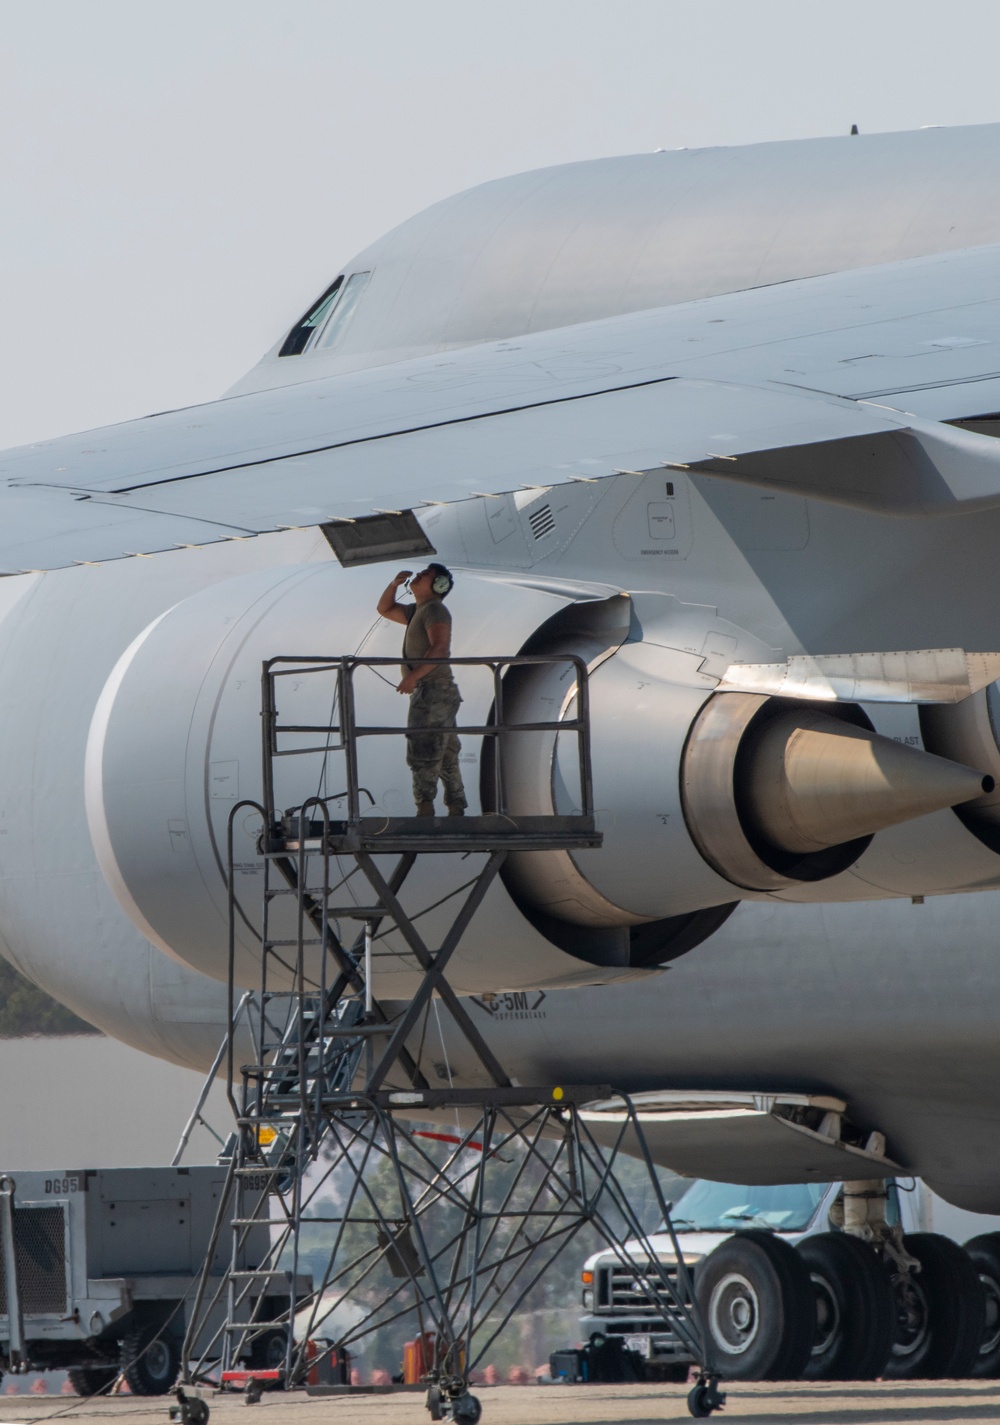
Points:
(941, 1312)
(758, 1305)
(985, 1254)
(855, 1308)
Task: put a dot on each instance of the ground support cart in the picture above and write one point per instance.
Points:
(104, 1269)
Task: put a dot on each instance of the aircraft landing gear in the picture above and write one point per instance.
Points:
(757, 1304)
(855, 1308)
(941, 1312)
(705, 1396)
(985, 1253)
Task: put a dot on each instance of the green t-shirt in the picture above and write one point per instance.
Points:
(416, 640)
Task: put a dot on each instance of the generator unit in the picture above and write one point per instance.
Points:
(107, 1263)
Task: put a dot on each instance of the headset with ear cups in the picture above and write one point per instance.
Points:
(442, 584)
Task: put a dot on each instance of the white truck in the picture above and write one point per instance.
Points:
(786, 1292)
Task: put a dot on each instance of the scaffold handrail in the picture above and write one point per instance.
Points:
(342, 733)
(326, 1116)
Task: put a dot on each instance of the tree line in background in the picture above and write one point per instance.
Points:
(27, 1011)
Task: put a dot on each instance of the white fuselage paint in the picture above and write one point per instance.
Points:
(891, 1005)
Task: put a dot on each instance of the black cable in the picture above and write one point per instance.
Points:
(106, 1390)
(428, 908)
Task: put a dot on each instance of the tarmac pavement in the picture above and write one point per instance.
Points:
(801, 1403)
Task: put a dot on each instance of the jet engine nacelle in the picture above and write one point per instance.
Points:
(175, 746)
(704, 798)
(701, 798)
(647, 895)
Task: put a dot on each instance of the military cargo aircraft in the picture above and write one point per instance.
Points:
(723, 423)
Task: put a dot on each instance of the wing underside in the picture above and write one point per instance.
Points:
(837, 388)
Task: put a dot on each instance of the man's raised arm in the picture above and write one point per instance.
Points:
(387, 605)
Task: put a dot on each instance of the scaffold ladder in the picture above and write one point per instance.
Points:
(440, 1205)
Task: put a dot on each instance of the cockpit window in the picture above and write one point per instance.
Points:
(327, 318)
(342, 313)
(303, 332)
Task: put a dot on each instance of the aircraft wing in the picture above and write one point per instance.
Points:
(833, 387)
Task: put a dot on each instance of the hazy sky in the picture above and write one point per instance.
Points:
(180, 177)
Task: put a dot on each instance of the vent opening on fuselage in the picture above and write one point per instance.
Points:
(542, 521)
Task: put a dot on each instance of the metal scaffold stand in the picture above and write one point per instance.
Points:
(432, 1203)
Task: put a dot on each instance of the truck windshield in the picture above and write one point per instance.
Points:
(726, 1207)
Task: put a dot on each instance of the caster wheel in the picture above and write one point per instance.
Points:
(433, 1403)
(703, 1398)
(189, 1410)
(467, 1410)
(252, 1393)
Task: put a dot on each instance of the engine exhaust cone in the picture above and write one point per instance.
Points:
(808, 781)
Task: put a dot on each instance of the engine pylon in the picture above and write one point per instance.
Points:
(811, 781)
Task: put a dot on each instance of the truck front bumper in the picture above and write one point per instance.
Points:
(653, 1341)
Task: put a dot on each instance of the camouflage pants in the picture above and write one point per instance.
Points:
(430, 754)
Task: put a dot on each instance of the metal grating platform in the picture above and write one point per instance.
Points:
(455, 1224)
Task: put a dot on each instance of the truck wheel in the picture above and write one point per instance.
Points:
(940, 1312)
(92, 1380)
(151, 1359)
(855, 1308)
(985, 1254)
(268, 1351)
(758, 1306)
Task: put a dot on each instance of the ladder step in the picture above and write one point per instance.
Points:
(357, 912)
(275, 1276)
(249, 1326)
(316, 892)
(350, 1031)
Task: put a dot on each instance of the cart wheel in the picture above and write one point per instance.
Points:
(92, 1380)
(252, 1392)
(269, 1350)
(467, 1409)
(705, 1397)
(151, 1359)
(189, 1410)
(433, 1403)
